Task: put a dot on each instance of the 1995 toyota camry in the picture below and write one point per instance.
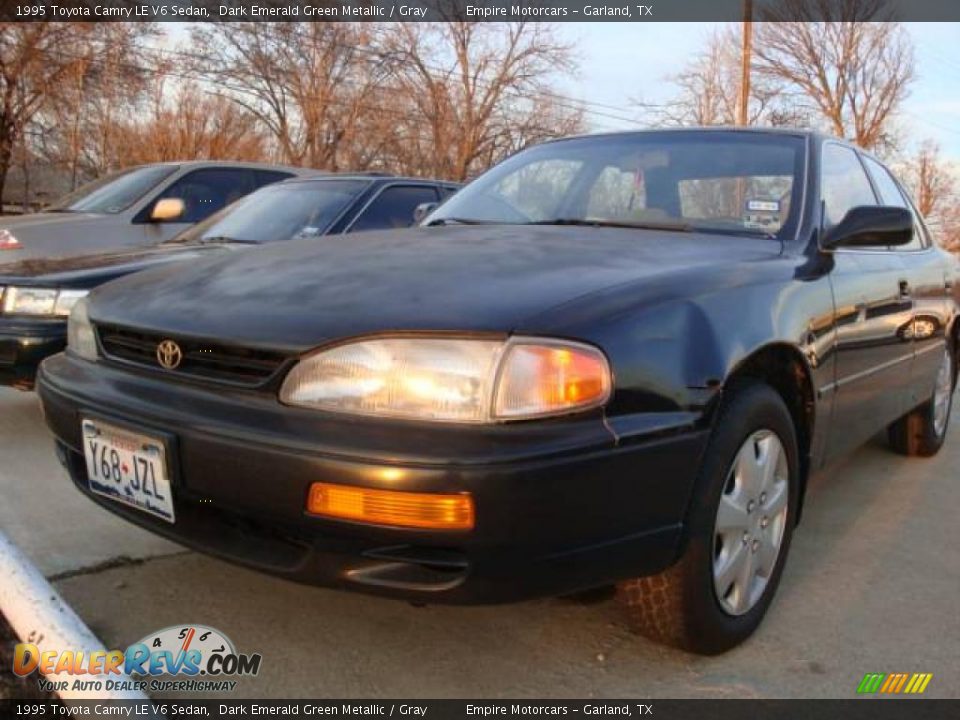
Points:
(609, 360)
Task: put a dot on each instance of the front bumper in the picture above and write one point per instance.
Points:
(560, 505)
(24, 343)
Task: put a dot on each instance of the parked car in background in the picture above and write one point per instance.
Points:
(138, 206)
(610, 359)
(37, 295)
(325, 205)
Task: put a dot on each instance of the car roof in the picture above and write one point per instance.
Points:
(753, 129)
(195, 164)
(372, 176)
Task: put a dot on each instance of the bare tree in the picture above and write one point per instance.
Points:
(310, 84)
(111, 73)
(930, 179)
(35, 60)
(708, 90)
(479, 90)
(189, 124)
(947, 225)
(844, 59)
(934, 186)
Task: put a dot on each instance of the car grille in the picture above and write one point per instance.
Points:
(199, 359)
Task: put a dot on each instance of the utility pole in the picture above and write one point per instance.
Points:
(743, 117)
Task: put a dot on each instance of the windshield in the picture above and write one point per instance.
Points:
(712, 181)
(113, 193)
(278, 212)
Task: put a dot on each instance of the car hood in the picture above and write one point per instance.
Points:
(299, 294)
(96, 268)
(47, 234)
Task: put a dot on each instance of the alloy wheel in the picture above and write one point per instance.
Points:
(751, 518)
(941, 395)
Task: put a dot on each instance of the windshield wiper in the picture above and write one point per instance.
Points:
(585, 222)
(225, 240)
(740, 232)
(458, 221)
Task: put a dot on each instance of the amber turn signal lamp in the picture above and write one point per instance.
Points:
(543, 379)
(391, 507)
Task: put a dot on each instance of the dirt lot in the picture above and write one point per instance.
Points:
(11, 686)
(871, 585)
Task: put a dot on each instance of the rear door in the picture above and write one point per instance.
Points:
(873, 313)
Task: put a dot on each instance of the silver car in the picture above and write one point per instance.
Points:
(141, 205)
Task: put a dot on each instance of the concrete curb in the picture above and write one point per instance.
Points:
(38, 615)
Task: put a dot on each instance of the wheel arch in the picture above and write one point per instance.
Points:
(784, 367)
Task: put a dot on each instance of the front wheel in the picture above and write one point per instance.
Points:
(922, 430)
(740, 526)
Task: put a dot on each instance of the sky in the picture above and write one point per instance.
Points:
(624, 62)
(620, 62)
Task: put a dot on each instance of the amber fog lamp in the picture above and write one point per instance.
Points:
(391, 507)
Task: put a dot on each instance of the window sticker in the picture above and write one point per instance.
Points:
(770, 206)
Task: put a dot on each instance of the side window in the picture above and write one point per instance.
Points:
(393, 208)
(843, 183)
(446, 191)
(208, 190)
(268, 177)
(890, 194)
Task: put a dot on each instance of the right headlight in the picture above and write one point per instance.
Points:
(81, 340)
(452, 379)
(38, 301)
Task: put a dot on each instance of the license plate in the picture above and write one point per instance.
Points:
(128, 467)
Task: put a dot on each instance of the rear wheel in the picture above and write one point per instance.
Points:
(921, 431)
(740, 526)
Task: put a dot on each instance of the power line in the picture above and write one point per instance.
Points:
(561, 100)
(410, 120)
(485, 81)
(931, 123)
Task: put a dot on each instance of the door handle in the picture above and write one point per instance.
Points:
(904, 290)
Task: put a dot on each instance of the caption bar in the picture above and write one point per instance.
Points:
(444, 10)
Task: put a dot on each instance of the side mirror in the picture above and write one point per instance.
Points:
(422, 210)
(168, 209)
(871, 226)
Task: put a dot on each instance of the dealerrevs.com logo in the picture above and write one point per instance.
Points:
(197, 657)
(894, 683)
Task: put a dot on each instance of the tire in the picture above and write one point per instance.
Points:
(682, 606)
(921, 432)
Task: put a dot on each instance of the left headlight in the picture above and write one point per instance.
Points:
(40, 301)
(81, 340)
(452, 380)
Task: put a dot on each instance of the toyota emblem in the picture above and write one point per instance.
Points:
(169, 355)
